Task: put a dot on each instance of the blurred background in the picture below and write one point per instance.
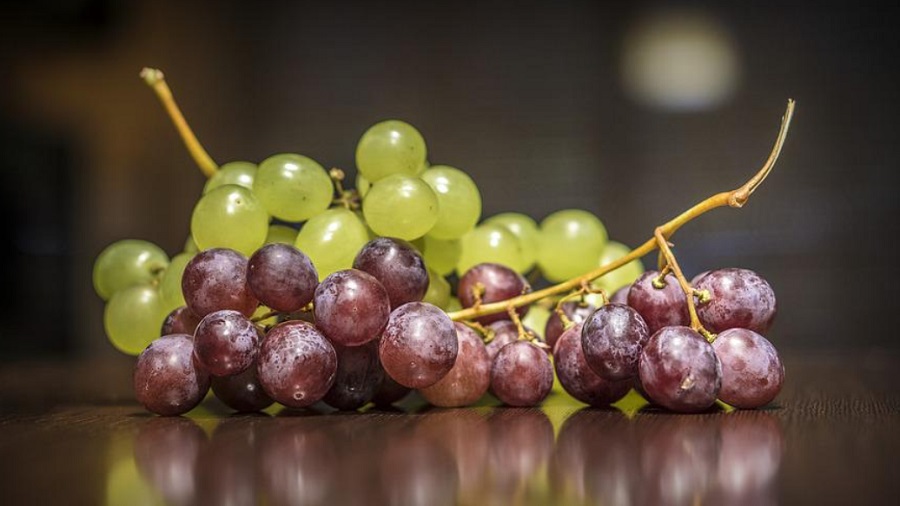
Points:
(631, 110)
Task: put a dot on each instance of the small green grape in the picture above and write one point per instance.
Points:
(293, 187)
(526, 230)
(441, 255)
(332, 240)
(622, 276)
(459, 201)
(133, 318)
(571, 241)
(230, 217)
(401, 206)
(190, 246)
(362, 185)
(281, 234)
(438, 290)
(239, 173)
(127, 263)
(390, 147)
(170, 284)
(490, 243)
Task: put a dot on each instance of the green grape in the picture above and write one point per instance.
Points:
(536, 318)
(239, 173)
(571, 241)
(230, 217)
(453, 305)
(526, 230)
(438, 290)
(332, 240)
(459, 201)
(362, 185)
(170, 284)
(190, 246)
(622, 276)
(401, 206)
(490, 243)
(126, 263)
(390, 147)
(133, 318)
(281, 234)
(441, 255)
(293, 187)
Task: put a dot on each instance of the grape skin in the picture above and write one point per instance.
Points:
(166, 380)
(578, 379)
(459, 201)
(216, 279)
(659, 307)
(752, 372)
(390, 147)
(180, 321)
(576, 312)
(505, 332)
(739, 298)
(623, 276)
(521, 374)
(613, 338)
(500, 283)
(239, 173)
(490, 242)
(241, 392)
(127, 263)
(526, 230)
(132, 318)
(296, 364)
(229, 217)
(293, 187)
(332, 240)
(470, 376)
(351, 307)
(398, 266)
(419, 345)
(282, 277)
(679, 370)
(170, 284)
(621, 296)
(565, 232)
(401, 206)
(225, 343)
(359, 374)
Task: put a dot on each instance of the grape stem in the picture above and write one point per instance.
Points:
(686, 287)
(735, 198)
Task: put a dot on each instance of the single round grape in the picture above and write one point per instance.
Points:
(441, 255)
(526, 230)
(359, 375)
(499, 283)
(470, 376)
(623, 276)
(180, 321)
(351, 307)
(170, 284)
(229, 217)
(293, 187)
(281, 234)
(491, 243)
(389, 392)
(296, 364)
(282, 277)
(438, 292)
(241, 392)
(166, 380)
(127, 263)
(576, 312)
(419, 345)
(390, 147)
(505, 332)
(578, 379)
(752, 372)
(739, 298)
(521, 375)
(238, 173)
(613, 338)
(225, 343)
(679, 370)
(332, 239)
(362, 185)
(659, 307)
(398, 266)
(620, 296)
(132, 318)
(459, 201)
(401, 206)
(571, 241)
(216, 279)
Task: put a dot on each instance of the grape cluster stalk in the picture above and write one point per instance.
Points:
(296, 290)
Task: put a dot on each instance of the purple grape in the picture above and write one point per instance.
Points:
(398, 266)
(470, 376)
(282, 277)
(739, 298)
(522, 374)
(576, 312)
(389, 392)
(419, 345)
(241, 392)
(612, 339)
(166, 379)
(500, 283)
(578, 379)
(505, 332)
(225, 343)
(180, 321)
(659, 307)
(351, 307)
(752, 372)
(359, 374)
(679, 370)
(296, 364)
(621, 296)
(216, 279)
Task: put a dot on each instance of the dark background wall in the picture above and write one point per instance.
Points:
(538, 101)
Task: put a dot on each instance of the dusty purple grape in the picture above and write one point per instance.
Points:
(419, 345)
(389, 392)
(241, 392)
(613, 337)
(398, 266)
(621, 296)
(225, 343)
(739, 298)
(180, 321)
(166, 379)
(576, 312)
(659, 307)
(470, 376)
(752, 372)
(282, 277)
(577, 378)
(499, 282)
(351, 307)
(296, 364)
(359, 374)
(216, 279)
(505, 332)
(679, 370)
(521, 374)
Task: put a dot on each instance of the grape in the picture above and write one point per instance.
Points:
(438, 292)
(293, 187)
(296, 364)
(180, 321)
(571, 241)
(623, 276)
(459, 201)
(229, 217)
(576, 312)
(281, 234)
(505, 332)
(419, 345)
(351, 307)
(217, 279)
(359, 374)
(332, 239)
(491, 244)
(659, 307)
(526, 230)
(390, 147)
(454, 305)
(398, 266)
(521, 374)
(536, 318)
(362, 185)
(620, 296)
(401, 206)
(241, 392)
(190, 246)
(389, 392)
(237, 173)
(166, 381)
(500, 283)
(282, 277)
(133, 317)
(441, 255)
(170, 284)
(225, 343)
(613, 338)
(752, 373)
(470, 376)
(577, 378)
(127, 263)
(698, 277)
(738, 298)
(679, 370)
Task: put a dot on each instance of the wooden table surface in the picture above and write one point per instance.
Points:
(70, 434)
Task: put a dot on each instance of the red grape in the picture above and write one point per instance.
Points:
(470, 376)
(679, 370)
(505, 332)
(296, 364)
(359, 374)
(419, 345)
(216, 279)
(241, 392)
(577, 378)
(612, 338)
(180, 321)
(660, 307)
(225, 343)
(739, 298)
(282, 277)
(351, 307)
(398, 266)
(166, 379)
(752, 372)
(621, 295)
(499, 282)
(576, 312)
(522, 374)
